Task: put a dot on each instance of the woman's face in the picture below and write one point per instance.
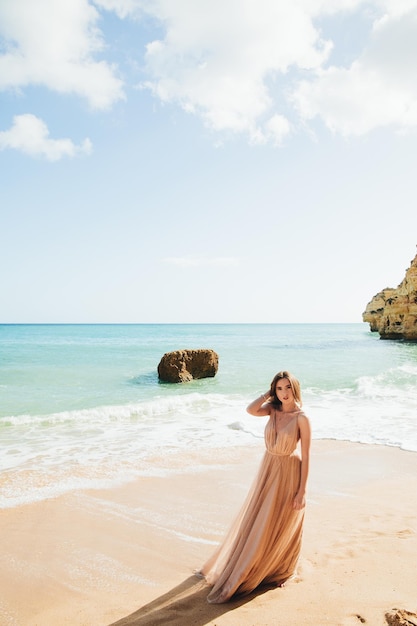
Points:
(284, 391)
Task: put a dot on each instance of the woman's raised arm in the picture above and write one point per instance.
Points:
(260, 406)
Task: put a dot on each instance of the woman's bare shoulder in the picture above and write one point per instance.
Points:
(302, 415)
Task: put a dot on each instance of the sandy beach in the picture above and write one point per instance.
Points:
(125, 556)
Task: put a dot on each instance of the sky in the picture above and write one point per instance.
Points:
(193, 161)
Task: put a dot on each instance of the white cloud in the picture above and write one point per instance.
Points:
(379, 89)
(30, 135)
(187, 262)
(53, 43)
(122, 8)
(217, 57)
(277, 127)
(252, 67)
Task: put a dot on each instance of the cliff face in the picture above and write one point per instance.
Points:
(393, 312)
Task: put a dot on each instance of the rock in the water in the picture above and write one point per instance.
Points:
(184, 365)
(393, 312)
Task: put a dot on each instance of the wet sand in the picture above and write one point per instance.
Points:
(126, 555)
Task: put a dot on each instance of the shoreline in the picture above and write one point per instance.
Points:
(126, 555)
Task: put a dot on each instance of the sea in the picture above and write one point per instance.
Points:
(81, 406)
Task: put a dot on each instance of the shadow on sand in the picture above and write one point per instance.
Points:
(185, 604)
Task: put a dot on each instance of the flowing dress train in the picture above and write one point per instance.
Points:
(263, 544)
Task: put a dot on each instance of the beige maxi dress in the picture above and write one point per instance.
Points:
(263, 544)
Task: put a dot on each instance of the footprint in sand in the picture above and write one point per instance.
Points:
(401, 617)
(404, 534)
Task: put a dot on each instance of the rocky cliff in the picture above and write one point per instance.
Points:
(393, 312)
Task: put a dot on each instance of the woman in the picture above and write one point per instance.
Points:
(263, 544)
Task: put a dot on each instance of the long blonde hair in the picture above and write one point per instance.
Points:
(295, 386)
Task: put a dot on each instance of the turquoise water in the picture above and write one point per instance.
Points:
(81, 404)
